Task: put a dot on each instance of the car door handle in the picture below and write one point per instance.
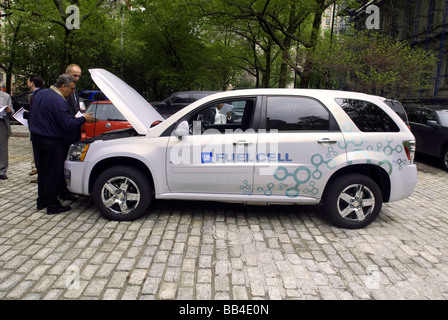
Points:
(326, 141)
(242, 143)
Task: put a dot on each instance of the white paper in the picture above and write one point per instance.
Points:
(226, 108)
(79, 115)
(2, 111)
(19, 117)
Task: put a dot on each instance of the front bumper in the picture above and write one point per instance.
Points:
(76, 175)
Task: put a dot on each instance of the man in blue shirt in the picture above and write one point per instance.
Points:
(49, 122)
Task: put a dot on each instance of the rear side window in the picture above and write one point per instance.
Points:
(367, 116)
(296, 113)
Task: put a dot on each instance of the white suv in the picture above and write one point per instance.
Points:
(347, 151)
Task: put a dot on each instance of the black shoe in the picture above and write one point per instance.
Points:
(60, 209)
(41, 206)
(67, 196)
(3, 177)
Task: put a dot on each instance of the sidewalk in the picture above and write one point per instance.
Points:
(188, 250)
(19, 130)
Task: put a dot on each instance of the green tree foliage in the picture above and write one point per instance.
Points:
(162, 46)
(171, 50)
(370, 63)
(36, 39)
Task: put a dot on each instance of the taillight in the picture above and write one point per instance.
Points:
(409, 148)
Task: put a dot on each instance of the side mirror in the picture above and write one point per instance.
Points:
(183, 129)
(432, 123)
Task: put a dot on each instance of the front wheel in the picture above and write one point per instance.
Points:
(122, 193)
(353, 201)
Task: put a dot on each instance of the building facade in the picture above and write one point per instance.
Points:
(424, 24)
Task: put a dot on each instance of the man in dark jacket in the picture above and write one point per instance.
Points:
(73, 102)
(49, 121)
(74, 135)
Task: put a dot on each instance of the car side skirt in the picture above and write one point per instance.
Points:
(253, 199)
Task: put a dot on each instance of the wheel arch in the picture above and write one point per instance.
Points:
(377, 173)
(105, 164)
(442, 151)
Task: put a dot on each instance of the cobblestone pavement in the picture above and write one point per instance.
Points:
(211, 251)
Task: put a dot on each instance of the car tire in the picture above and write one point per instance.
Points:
(444, 159)
(352, 201)
(122, 193)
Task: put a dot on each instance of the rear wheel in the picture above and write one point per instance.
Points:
(353, 201)
(444, 159)
(122, 193)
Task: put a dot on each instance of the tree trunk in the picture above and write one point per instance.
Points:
(10, 67)
(267, 72)
(306, 75)
(66, 55)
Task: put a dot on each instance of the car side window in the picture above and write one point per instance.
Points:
(221, 115)
(414, 114)
(367, 116)
(92, 109)
(197, 96)
(181, 98)
(296, 113)
(99, 96)
(84, 95)
(428, 115)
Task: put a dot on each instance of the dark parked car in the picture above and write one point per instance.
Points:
(179, 100)
(429, 124)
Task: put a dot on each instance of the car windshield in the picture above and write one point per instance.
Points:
(106, 112)
(443, 114)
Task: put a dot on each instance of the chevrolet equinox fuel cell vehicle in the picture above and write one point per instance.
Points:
(348, 151)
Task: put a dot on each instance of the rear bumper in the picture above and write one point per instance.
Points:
(404, 182)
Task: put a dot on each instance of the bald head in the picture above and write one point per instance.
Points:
(75, 71)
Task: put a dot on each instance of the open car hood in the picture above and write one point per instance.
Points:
(140, 114)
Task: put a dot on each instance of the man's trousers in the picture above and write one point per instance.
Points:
(49, 158)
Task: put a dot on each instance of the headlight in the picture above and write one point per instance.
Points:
(78, 151)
